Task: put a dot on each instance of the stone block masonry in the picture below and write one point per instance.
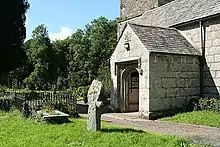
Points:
(212, 52)
(212, 56)
(169, 74)
(131, 8)
(174, 80)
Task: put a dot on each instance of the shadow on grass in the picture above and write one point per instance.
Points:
(58, 121)
(121, 130)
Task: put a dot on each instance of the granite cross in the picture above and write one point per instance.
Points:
(95, 106)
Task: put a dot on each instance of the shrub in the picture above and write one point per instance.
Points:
(104, 76)
(211, 104)
(80, 93)
(3, 89)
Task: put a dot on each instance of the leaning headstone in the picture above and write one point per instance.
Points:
(95, 106)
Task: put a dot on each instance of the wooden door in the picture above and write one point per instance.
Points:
(133, 91)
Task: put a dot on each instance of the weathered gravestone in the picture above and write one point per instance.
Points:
(95, 106)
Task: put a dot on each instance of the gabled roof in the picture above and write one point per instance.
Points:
(180, 11)
(163, 40)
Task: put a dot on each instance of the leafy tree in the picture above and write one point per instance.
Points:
(17, 76)
(61, 48)
(78, 59)
(102, 34)
(42, 55)
(90, 49)
(13, 22)
(70, 63)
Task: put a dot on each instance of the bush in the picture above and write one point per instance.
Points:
(3, 89)
(211, 104)
(104, 76)
(80, 93)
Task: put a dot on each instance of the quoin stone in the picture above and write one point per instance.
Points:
(95, 106)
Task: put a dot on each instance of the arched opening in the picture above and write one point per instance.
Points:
(131, 90)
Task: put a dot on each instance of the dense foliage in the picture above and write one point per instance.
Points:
(66, 64)
(80, 93)
(14, 33)
(210, 104)
(42, 56)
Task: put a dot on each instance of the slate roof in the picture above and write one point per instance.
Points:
(163, 40)
(179, 11)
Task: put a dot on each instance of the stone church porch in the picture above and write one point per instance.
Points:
(153, 70)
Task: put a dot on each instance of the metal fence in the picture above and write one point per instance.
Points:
(6, 101)
(37, 100)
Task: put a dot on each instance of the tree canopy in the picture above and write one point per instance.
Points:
(66, 64)
(14, 32)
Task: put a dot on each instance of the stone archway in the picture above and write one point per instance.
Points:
(130, 89)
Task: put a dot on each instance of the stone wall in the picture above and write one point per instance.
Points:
(192, 33)
(212, 56)
(137, 50)
(131, 8)
(212, 52)
(174, 80)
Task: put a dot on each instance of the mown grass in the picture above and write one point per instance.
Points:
(18, 131)
(207, 118)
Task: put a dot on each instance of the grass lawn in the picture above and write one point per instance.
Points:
(207, 118)
(18, 131)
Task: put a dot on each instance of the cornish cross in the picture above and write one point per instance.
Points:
(95, 106)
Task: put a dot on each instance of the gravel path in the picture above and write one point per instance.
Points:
(195, 133)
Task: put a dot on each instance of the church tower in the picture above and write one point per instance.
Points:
(132, 8)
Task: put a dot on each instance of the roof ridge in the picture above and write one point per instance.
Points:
(179, 12)
(129, 18)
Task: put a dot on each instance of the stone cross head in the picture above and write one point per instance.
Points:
(94, 93)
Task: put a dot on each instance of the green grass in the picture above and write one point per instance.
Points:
(207, 118)
(18, 131)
